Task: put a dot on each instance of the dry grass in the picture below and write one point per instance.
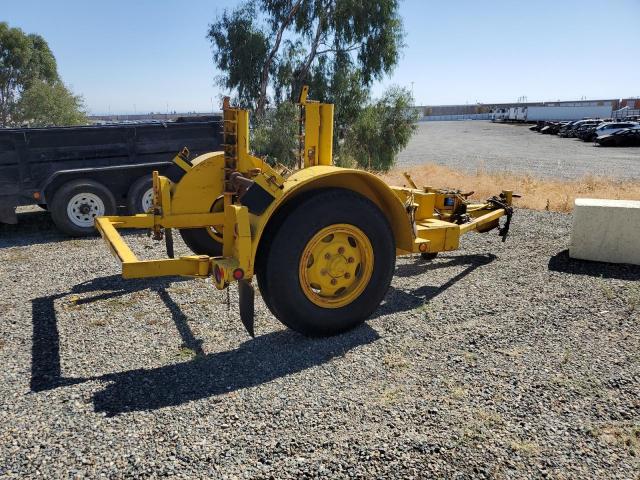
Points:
(537, 193)
(525, 448)
(395, 361)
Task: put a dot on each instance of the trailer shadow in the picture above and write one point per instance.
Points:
(401, 300)
(563, 263)
(33, 227)
(254, 362)
(45, 350)
(261, 360)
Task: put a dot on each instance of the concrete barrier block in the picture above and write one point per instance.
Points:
(606, 230)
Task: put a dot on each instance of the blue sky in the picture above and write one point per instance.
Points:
(147, 55)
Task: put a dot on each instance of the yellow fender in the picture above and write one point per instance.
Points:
(364, 183)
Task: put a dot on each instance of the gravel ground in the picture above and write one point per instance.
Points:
(500, 360)
(496, 147)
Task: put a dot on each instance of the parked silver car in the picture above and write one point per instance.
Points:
(613, 127)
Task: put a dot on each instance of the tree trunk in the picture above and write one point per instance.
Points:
(304, 70)
(264, 77)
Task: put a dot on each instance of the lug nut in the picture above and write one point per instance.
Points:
(327, 256)
(333, 281)
(347, 275)
(341, 250)
(323, 271)
(350, 260)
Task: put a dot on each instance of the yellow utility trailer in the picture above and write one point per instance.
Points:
(321, 241)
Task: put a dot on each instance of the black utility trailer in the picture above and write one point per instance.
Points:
(78, 173)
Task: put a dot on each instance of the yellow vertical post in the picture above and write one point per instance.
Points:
(326, 134)
(311, 134)
(230, 145)
(243, 139)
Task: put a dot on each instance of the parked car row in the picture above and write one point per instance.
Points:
(606, 133)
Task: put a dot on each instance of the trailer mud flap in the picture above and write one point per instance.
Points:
(246, 294)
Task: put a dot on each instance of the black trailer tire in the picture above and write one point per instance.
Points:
(140, 195)
(428, 255)
(76, 204)
(360, 226)
(205, 241)
(201, 242)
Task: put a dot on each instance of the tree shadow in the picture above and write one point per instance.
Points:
(563, 263)
(255, 362)
(399, 300)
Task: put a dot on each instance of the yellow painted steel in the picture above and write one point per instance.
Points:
(483, 219)
(325, 156)
(115, 242)
(238, 245)
(190, 266)
(336, 266)
(311, 134)
(195, 266)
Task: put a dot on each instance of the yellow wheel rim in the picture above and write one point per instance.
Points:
(215, 231)
(336, 265)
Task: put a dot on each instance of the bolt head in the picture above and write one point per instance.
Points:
(351, 260)
(341, 250)
(327, 256)
(333, 281)
(347, 275)
(323, 271)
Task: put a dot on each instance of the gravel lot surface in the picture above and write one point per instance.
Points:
(500, 360)
(496, 147)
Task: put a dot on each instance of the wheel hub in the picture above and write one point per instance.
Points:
(83, 208)
(336, 265)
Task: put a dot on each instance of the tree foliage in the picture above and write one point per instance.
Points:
(275, 134)
(266, 50)
(381, 131)
(26, 62)
(44, 104)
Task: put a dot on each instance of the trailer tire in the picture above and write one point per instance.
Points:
(329, 264)
(200, 242)
(140, 195)
(76, 204)
(205, 241)
(428, 255)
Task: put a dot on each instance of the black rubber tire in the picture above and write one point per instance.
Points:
(64, 194)
(136, 192)
(198, 239)
(200, 242)
(428, 255)
(279, 281)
